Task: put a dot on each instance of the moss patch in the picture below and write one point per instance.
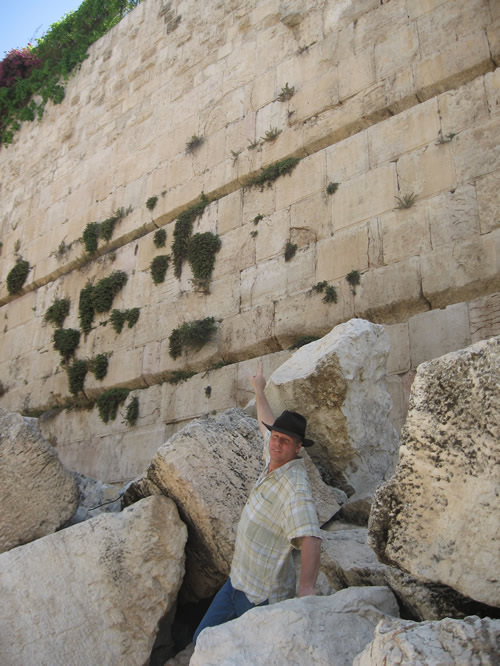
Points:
(191, 335)
(109, 401)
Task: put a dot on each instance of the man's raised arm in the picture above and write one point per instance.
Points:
(264, 413)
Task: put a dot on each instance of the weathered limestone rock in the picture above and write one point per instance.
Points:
(95, 592)
(438, 517)
(208, 468)
(338, 382)
(347, 560)
(37, 493)
(471, 641)
(95, 498)
(326, 631)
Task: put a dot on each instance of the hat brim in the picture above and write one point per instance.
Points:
(305, 442)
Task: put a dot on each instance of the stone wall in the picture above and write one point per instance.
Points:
(392, 99)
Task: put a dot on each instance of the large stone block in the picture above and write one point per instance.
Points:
(426, 171)
(364, 196)
(127, 565)
(273, 232)
(405, 233)
(438, 332)
(307, 178)
(484, 317)
(461, 272)
(316, 630)
(336, 382)
(446, 474)
(463, 107)
(392, 293)
(488, 201)
(459, 62)
(262, 283)
(356, 73)
(453, 216)
(476, 151)
(404, 132)
(38, 494)
(347, 158)
(312, 215)
(398, 360)
(347, 250)
(448, 641)
(249, 333)
(397, 51)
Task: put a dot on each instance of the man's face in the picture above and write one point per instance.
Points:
(282, 448)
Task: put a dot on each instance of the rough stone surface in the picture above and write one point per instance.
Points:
(326, 631)
(472, 641)
(37, 493)
(95, 498)
(338, 383)
(437, 518)
(208, 468)
(95, 592)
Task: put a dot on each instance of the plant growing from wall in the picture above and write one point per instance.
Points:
(444, 138)
(99, 366)
(119, 317)
(331, 188)
(151, 202)
(104, 230)
(66, 340)
(353, 278)
(191, 335)
(58, 311)
(193, 143)
(183, 230)
(90, 237)
(257, 219)
(109, 401)
(178, 376)
(16, 277)
(132, 411)
(254, 233)
(290, 250)
(41, 70)
(160, 237)
(405, 200)
(76, 372)
(329, 292)
(106, 289)
(208, 391)
(271, 134)
(86, 308)
(286, 93)
(158, 268)
(270, 173)
(202, 249)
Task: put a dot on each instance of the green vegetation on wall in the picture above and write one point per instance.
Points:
(158, 268)
(191, 335)
(42, 69)
(58, 311)
(109, 401)
(99, 298)
(201, 253)
(160, 238)
(95, 230)
(76, 376)
(119, 317)
(132, 411)
(183, 230)
(66, 340)
(270, 173)
(99, 366)
(17, 276)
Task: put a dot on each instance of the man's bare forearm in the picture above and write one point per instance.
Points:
(264, 412)
(309, 565)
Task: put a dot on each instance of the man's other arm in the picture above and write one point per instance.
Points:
(309, 565)
(264, 413)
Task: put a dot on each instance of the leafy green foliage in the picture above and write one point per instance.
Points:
(202, 249)
(331, 188)
(183, 230)
(290, 250)
(178, 376)
(405, 201)
(194, 142)
(44, 67)
(151, 203)
(320, 286)
(95, 230)
(354, 278)
(90, 237)
(66, 340)
(268, 175)
(109, 401)
(132, 411)
(17, 276)
(330, 295)
(191, 335)
(58, 311)
(159, 267)
(99, 366)
(86, 308)
(106, 289)
(160, 238)
(286, 93)
(76, 376)
(119, 317)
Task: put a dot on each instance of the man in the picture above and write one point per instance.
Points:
(278, 517)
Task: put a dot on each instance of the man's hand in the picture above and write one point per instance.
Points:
(258, 381)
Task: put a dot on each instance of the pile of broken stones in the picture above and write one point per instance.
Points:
(410, 569)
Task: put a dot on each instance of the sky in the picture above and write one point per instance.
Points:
(22, 21)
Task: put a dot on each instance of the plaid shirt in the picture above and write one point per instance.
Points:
(278, 512)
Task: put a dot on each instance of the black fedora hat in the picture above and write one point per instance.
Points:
(293, 424)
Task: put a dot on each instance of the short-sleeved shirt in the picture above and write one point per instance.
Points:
(278, 512)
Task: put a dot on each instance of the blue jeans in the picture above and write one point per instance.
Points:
(227, 604)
